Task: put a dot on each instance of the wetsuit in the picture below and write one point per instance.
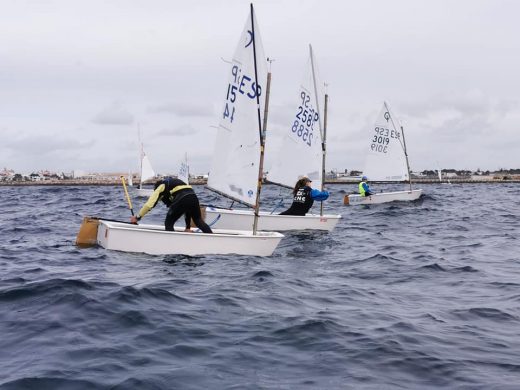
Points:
(303, 200)
(180, 199)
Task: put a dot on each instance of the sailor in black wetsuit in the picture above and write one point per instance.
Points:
(303, 197)
(180, 199)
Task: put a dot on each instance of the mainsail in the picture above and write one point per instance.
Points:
(236, 158)
(386, 159)
(301, 153)
(147, 171)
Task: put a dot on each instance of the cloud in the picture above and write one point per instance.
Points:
(182, 131)
(52, 151)
(115, 114)
(41, 145)
(453, 88)
(183, 109)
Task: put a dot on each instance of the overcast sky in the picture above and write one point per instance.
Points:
(77, 77)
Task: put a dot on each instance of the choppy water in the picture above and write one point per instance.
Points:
(400, 296)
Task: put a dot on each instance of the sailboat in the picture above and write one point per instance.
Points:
(147, 172)
(439, 172)
(387, 160)
(302, 154)
(243, 101)
(184, 170)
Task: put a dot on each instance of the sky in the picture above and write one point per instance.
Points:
(78, 78)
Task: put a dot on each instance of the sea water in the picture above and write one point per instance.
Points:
(411, 295)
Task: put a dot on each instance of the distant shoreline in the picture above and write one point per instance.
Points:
(203, 182)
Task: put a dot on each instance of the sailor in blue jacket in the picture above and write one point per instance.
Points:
(303, 197)
(364, 189)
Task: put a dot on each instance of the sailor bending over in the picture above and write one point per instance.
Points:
(180, 199)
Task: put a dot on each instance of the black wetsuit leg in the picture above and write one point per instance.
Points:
(174, 213)
(193, 212)
(189, 205)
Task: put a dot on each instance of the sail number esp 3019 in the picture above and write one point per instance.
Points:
(240, 84)
(303, 126)
(381, 139)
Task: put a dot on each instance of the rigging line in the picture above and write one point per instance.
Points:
(278, 205)
(403, 145)
(210, 224)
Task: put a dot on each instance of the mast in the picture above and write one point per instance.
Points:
(322, 129)
(141, 155)
(324, 147)
(404, 147)
(187, 167)
(261, 129)
(406, 155)
(319, 113)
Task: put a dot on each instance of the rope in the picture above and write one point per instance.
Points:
(278, 205)
(210, 224)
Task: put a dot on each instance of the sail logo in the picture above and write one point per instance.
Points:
(387, 116)
(250, 35)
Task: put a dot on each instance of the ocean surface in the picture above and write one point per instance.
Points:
(414, 295)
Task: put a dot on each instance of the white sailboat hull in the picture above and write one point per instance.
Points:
(154, 240)
(243, 220)
(383, 197)
(143, 192)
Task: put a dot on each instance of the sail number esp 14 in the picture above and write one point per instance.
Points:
(303, 126)
(381, 139)
(240, 84)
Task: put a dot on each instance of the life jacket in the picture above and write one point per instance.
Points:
(173, 188)
(361, 189)
(302, 201)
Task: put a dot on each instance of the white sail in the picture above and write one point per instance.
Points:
(130, 179)
(300, 153)
(386, 160)
(286, 174)
(235, 165)
(184, 170)
(147, 171)
(440, 175)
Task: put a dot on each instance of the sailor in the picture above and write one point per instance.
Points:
(180, 199)
(303, 197)
(364, 189)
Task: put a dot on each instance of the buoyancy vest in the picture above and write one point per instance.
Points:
(302, 201)
(361, 189)
(172, 189)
